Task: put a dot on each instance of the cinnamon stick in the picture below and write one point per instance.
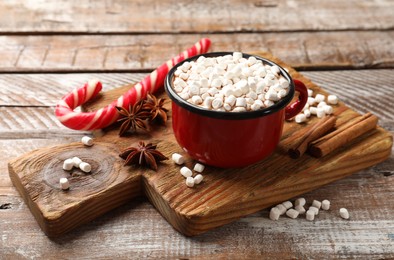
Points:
(343, 135)
(317, 131)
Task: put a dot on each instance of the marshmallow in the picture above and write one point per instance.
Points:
(274, 214)
(198, 167)
(68, 164)
(344, 213)
(300, 118)
(307, 113)
(217, 103)
(316, 204)
(310, 215)
(178, 159)
(287, 204)
(186, 172)
(86, 140)
(300, 202)
(76, 161)
(332, 99)
(319, 98)
(292, 213)
(282, 209)
(328, 110)
(314, 209)
(85, 167)
(325, 204)
(190, 182)
(198, 179)
(320, 112)
(300, 209)
(64, 183)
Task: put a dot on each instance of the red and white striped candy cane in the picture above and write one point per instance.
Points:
(107, 115)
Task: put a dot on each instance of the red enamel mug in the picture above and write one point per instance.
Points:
(231, 139)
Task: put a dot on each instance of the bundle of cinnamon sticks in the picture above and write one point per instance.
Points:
(324, 137)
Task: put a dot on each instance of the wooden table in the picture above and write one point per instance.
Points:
(49, 47)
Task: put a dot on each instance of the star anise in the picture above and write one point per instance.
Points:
(142, 155)
(133, 118)
(155, 107)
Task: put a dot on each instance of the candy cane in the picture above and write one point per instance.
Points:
(107, 115)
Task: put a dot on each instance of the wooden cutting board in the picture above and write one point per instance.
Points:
(224, 195)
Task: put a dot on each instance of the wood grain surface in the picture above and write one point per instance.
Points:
(47, 48)
(191, 16)
(124, 53)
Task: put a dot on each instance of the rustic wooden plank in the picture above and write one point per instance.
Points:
(46, 89)
(111, 53)
(185, 16)
(27, 100)
(138, 229)
(32, 122)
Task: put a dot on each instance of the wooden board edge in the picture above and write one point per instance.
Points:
(97, 205)
(195, 223)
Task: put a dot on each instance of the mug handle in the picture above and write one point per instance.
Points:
(296, 107)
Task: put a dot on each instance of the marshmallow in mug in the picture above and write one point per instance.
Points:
(230, 83)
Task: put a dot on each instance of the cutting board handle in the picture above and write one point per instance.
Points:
(297, 106)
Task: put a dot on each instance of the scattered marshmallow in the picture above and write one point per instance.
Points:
(85, 167)
(310, 215)
(344, 213)
(287, 204)
(300, 118)
(313, 110)
(198, 178)
(311, 101)
(314, 209)
(76, 161)
(274, 214)
(292, 213)
(319, 98)
(282, 209)
(186, 172)
(68, 164)
(316, 204)
(307, 113)
(320, 112)
(300, 209)
(178, 159)
(332, 99)
(198, 167)
(86, 140)
(321, 104)
(300, 202)
(325, 204)
(64, 183)
(328, 109)
(190, 182)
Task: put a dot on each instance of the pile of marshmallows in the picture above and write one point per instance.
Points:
(187, 173)
(299, 208)
(230, 83)
(317, 106)
(76, 162)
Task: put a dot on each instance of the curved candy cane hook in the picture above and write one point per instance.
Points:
(107, 115)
